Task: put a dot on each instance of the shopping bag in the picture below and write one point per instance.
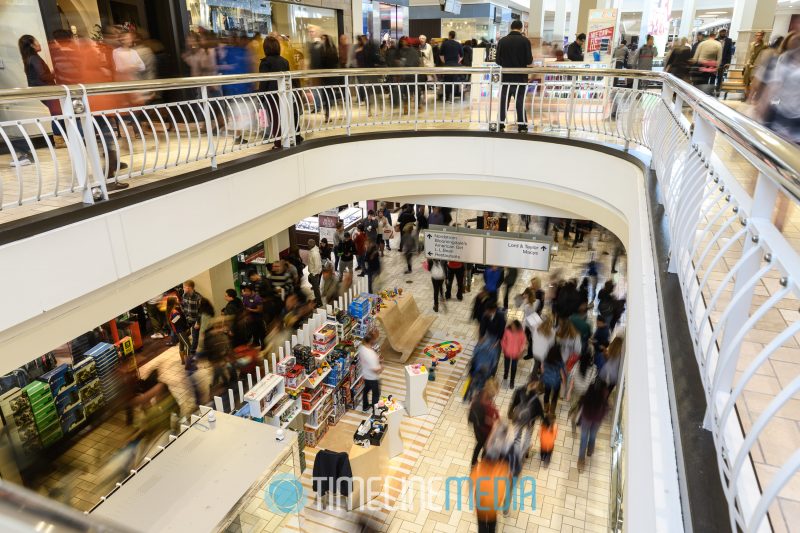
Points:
(263, 123)
(573, 358)
(465, 388)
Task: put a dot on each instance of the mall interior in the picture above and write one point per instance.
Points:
(303, 266)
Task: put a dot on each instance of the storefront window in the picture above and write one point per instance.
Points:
(261, 16)
(470, 28)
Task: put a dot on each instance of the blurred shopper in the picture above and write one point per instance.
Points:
(179, 326)
(575, 48)
(708, 57)
(483, 414)
(233, 57)
(156, 315)
(493, 322)
(346, 253)
(190, 304)
(697, 40)
(314, 269)
(644, 56)
(581, 378)
(491, 479)
(525, 408)
(451, 53)
(330, 285)
(253, 317)
(753, 51)
(620, 55)
(514, 51)
(201, 59)
(38, 74)
(493, 279)
(513, 344)
(404, 56)
(381, 225)
(593, 409)
(609, 374)
(345, 52)
(323, 55)
(678, 63)
(371, 369)
(128, 64)
(437, 271)
(510, 275)
(727, 55)
(425, 53)
(547, 439)
(553, 375)
(408, 245)
(272, 62)
(360, 239)
(255, 47)
(325, 250)
(763, 69)
(543, 338)
(779, 107)
(466, 61)
(455, 271)
(338, 237)
(372, 265)
(233, 306)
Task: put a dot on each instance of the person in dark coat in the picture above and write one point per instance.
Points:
(575, 48)
(727, 54)
(514, 51)
(273, 62)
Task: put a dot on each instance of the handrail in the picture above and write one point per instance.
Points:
(776, 157)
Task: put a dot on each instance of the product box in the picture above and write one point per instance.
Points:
(67, 397)
(295, 377)
(304, 357)
(93, 405)
(72, 419)
(325, 334)
(90, 390)
(37, 390)
(84, 372)
(359, 307)
(59, 378)
(286, 364)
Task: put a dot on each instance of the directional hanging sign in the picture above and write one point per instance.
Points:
(527, 254)
(451, 246)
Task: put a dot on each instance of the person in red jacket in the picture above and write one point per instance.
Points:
(360, 241)
(455, 270)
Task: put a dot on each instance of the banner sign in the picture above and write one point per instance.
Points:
(481, 247)
(601, 30)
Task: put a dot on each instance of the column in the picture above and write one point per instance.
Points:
(582, 18)
(560, 22)
(656, 14)
(213, 283)
(536, 20)
(687, 19)
(358, 18)
(750, 16)
(274, 245)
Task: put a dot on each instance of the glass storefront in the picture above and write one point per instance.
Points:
(262, 16)
(383, 21)
(470, 28)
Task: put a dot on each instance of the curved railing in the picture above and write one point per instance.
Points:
(720, 177)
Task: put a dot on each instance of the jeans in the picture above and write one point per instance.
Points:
(551, 396)
(513, 364)
(373, 385)
(487, 526)
(517, 89)
(195, 338)
(458, 275)
(313, 280)
(360, 260)
(476, 452)
(438, 285)
(589, 430)
(345, 265)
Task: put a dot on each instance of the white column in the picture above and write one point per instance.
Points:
(649, 12)
(750, 16)
(574, 15)
(536, 19)
(687, 18)
(560, 22)
(358, 18)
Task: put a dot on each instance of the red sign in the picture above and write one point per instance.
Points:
(596, 38)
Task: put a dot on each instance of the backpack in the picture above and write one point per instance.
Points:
(437, 272)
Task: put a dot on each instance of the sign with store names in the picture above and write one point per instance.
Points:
(526, 254)
(452, 246)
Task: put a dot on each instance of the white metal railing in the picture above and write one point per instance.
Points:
(736, 269)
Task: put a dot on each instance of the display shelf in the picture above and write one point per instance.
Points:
(281, 407)
(317, 379)
(286, 424)
(320, 402)
(320, 356)
(265, 395)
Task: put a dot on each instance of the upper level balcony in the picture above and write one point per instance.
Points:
(703, 198)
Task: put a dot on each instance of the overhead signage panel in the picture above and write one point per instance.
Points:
(454, 247)
(527, 254)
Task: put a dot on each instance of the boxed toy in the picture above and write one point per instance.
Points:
(295, 376)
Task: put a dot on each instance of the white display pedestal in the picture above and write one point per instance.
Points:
(415, 392)
(393, 441)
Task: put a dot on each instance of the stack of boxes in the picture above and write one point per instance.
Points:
(324, 340)
(18, 418)
(44, 412)
(361, 311)
(106, 360)
(89, 388)
(65, 395)
(302, 355)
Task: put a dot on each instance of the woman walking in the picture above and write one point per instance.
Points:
(593, 408)
(582, 377)
(543, 338)
(483, 414)
(513, 344)
(436, 269)
(553, 375)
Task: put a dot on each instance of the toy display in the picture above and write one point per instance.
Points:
(325, 339)
(444, 351)
(417, 368)
(15, 409)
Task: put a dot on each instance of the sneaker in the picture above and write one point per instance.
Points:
(116, 186)
(527, 358)
(157, 336)
(23, 160)
(581, 464)
(590, 450)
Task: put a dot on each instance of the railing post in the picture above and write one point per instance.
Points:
(212, 145)
(764, 198)
(348, 103)
(629, 118)
(416, 102)
(571, 105)
(76, 144)
(92, 151)
(286, 111)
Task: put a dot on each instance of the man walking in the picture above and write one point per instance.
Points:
(314, 269)
(190, 303)
(451, 53)
(345, 253)
(727, 54)
(514, 51)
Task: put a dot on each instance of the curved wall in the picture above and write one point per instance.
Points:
(104, 265)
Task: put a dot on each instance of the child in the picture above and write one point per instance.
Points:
(547, 436)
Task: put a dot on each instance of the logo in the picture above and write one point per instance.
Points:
(284, 494)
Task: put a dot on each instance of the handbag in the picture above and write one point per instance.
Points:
(437, 272)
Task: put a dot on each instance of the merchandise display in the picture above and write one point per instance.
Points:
(106, 359)
(62, 385)
(444, 351)
(44, 412)
(265, 394)
(15, 409)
